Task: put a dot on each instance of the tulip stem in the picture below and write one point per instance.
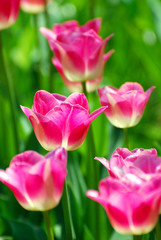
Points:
(67, 214)
(126, 137)
(92, 176)
(137, 237)
(158, 230)
(38, 67)
(84, 88)
(11, 94)
(49, 52)
(48, 225)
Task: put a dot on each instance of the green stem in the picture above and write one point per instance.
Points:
(158, 230)
(51, 82)
(38, 46)
(92, 177)
(84, 89)
(4, 145)
(126, 137)
(11, 94)
(48, 225)
(67, 214)
(137, 237)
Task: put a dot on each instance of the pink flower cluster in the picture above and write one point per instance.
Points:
(131, 196)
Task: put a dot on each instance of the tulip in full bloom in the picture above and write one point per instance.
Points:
(144, 163)
(60, 121)
(125, 105)
(9, 10)
(79, 53)
(36, 181)
(33, 6)
(131, 204)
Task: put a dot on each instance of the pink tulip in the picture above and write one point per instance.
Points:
(60, 121)
(33, 6)
(144, 163)
(125, 105)
(132, 208)
(79, 54)
(37, 181)
(9, 10)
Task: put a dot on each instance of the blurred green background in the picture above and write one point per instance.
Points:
(137, 43)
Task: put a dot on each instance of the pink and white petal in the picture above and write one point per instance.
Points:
(72, 63)
(47, 132)
(78, 99)
(71, 25)
(13, 182)
(71, 86)
(108, 55)
(49, 34)
(149, 91)
(77, 137)
(131, 86)
(104, 162)
(95, 114)
(44, 102)
(94, 24)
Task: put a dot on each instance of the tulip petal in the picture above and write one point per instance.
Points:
(44, 102)
(47, 132)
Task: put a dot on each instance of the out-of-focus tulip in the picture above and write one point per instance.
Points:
(36, 181)
(125, 105)
(9, 10)
(132, 208)
(144, 163)
(33, 6)
(60, 121)
(79, 53)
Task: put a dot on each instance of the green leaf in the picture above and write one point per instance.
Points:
(23, 230)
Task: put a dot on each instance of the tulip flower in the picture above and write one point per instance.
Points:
(125, 105)
(132, 205)
(60, 121)
(33, 6)
(79, 53)
(9, 10)
(144, 163)
(36, 181)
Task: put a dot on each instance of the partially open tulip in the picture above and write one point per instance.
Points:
(79, 53)
(36, 181)
(132, 208)
(125, 105)
(33, 6)
(60, 121)
(144, 163)
(9, 10)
